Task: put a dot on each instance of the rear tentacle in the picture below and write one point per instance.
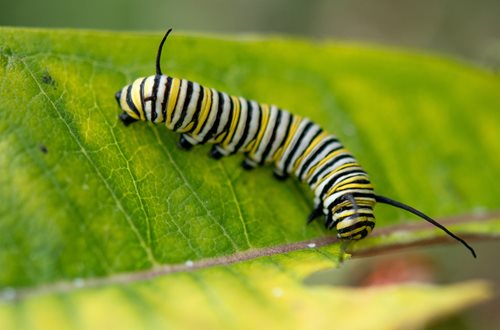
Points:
(389, 201)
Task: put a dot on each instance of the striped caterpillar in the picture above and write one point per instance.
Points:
(266, 134)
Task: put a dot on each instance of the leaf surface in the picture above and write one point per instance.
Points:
(90, 203)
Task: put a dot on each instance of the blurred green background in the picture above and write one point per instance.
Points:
(464, 28)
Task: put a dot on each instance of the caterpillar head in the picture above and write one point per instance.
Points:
(354, 228)
(137, 99)
(352, 218)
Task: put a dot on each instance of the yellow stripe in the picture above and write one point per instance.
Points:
(136, 97)
(342, 186)
(263, 125)
(363, 203)
(291, 134)
(205, 106)
(340, 168)
(348, 183)
(218, 138)
(346, 224)
(188, 127)
(308, 150)
(172, 100)
(236, 115)
(356, 231)
(364, 211)
(323, 161)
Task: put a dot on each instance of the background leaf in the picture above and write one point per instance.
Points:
(87, 199)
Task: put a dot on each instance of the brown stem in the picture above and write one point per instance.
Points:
(124, 278)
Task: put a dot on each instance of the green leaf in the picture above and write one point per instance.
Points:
(89, 207)
(262, 293)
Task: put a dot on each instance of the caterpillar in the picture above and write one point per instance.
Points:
(266, 134)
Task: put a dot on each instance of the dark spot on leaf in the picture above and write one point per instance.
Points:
(47, 79)
(43, 148)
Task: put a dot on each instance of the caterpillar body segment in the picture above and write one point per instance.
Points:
(265, 134)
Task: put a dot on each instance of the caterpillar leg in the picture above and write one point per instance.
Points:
(280, 175)
(316, 212)
(329, 222)
(216, 152)
(248, 164)
(185, 142)
(126, 119)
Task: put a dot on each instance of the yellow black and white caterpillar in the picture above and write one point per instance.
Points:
(266, 134)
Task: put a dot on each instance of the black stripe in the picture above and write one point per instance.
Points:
(335, 177)
(259, 123)
(332, 223)
(141, 93)
(363, 234)
(291, 156)
(176, 101)
(209, 111)
(315, 154)
(325, 166)
(215, 125)
(237, 122)
(259, 127)
(187, 100)
(130, 103)
(248, 121)
(194, 119)
(166, 96)
(343, 197)
(360, 181)
(269, 146)
(349, 207)
(156, 83)
(356, 225)
(227, 126)
(288, 127)
(296, 146)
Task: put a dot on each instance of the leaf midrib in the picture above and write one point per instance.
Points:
(65, 286)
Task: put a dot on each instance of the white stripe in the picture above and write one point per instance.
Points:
(271, 123)
(190, 139)
(363, 210)
(319, 189)
(211, 116)
(181, 98)
(330, 199)
(330, 168)
(159, 98)
(240, 125)
(281, 162)
(226, 106)
(254, 124)
(280, 133)
(148, 90)
(191, 106)
(304, 143)
(325, 152)
(322, 155)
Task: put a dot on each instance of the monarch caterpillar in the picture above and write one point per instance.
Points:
(266, 134)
